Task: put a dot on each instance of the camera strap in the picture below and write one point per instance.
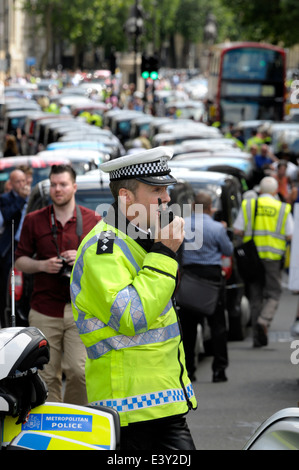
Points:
(79, 226)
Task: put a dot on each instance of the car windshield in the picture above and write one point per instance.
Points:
(214, 189)
(82, 167)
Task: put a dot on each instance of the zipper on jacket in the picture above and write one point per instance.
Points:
(189, 403)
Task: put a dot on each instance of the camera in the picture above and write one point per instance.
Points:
(66, 269)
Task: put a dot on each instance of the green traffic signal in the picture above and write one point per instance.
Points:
(154, 75)
(149, 67)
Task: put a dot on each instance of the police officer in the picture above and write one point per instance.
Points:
(273, 227)
(121, 289)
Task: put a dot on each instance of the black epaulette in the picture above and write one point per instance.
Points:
(105, 242)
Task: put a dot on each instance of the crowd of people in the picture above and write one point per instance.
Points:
(106, 302)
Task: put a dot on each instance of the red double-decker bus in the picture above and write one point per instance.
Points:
(246, 82)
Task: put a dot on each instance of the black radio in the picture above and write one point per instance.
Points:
(166, 214)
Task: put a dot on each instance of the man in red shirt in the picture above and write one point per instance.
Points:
(47, 248)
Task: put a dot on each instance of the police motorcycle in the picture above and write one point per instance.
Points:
(27, 420)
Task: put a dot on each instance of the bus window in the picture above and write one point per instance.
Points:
(246, 82)
(252, 64)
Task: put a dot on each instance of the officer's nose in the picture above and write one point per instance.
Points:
(165, 197)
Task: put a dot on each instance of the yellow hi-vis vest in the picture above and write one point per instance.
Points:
(121, 300)
(269, 226)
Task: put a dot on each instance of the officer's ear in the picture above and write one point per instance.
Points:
(127, 196)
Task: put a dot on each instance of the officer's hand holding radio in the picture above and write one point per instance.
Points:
(170, 228)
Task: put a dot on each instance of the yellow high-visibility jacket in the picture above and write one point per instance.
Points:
(121, 299)
(269, 226)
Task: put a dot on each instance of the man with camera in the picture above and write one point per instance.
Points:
(47, 249)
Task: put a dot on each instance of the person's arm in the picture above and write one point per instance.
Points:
(289, 227)
(226, 245)
(31, 266)
(238, 225)
(10, 206)
(239, 233)
(125, 295)
(26, 260)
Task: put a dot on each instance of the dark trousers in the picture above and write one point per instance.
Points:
(159, 435)
(189, 321)
(5, 266)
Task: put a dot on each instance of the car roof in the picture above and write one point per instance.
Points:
(32, 160)
(81, 162)
(186, 132)
(143, 118)
(205, 163)
(18, 113)
(92, 178)
(125, 116)
(201, 176)
(87, 106)
(20, 102)
(70, 153)
(91, 130)
(204, 145)
(223, 153)
(252, 123)
(280, 126)
(84, 144)
(188, 124)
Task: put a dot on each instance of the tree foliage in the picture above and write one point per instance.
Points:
(93, 23)
(83, 23)
(275, 22)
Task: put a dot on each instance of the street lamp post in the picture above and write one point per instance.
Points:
(210, 35)
(134, 29)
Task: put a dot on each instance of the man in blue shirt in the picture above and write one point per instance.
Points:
(203, 257)
(264, 160)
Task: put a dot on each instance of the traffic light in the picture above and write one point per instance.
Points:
(154, 66)
(149, 67)
(144, 67)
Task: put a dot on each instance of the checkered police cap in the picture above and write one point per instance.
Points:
(149, 166)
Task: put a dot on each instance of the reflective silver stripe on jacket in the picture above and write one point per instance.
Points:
(147, 400)
(78, 269)
(270, 249)
(264, 233)
(126, 251)
(123, 298)
(117, 342)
